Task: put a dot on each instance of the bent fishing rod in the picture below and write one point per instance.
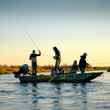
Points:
(29, 36)
(31, 39)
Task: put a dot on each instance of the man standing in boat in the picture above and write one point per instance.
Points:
(33, 58)
(83, 63)
(57, 58)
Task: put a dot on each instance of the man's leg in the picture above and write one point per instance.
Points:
(58, 63)
(82, 70)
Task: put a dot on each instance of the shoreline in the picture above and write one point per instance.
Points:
(4, 69)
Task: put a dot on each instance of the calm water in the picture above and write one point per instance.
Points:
(47, 96)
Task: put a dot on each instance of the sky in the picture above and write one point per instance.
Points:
(74, 26)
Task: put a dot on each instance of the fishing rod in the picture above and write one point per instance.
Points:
(29, 36)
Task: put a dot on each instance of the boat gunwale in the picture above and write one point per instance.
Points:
(80, 78)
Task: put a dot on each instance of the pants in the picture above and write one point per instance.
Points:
(34, 67)
(82, 70)
(57, 63)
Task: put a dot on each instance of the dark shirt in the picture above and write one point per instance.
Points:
(33, 57)
(57, 54)
(82, 62)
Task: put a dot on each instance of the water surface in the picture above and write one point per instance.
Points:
(48, 96)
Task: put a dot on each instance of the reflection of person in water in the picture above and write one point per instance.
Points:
(35, 97)
(56, 101)
(83, 92)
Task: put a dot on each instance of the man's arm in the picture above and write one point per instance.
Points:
(39, 53)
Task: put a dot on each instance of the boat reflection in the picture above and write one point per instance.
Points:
(60, 97)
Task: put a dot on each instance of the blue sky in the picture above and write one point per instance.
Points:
(74, 26)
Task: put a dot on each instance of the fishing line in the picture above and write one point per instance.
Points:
(29, 36)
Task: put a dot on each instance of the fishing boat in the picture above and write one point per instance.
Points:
(65, 77)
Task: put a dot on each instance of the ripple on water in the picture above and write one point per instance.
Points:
(48, 96)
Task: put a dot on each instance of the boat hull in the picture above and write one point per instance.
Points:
(67, 77)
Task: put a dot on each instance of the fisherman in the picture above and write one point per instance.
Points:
(74, 67)
(33, 58)
(83, 63)
(23, 70)
(57, 58)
